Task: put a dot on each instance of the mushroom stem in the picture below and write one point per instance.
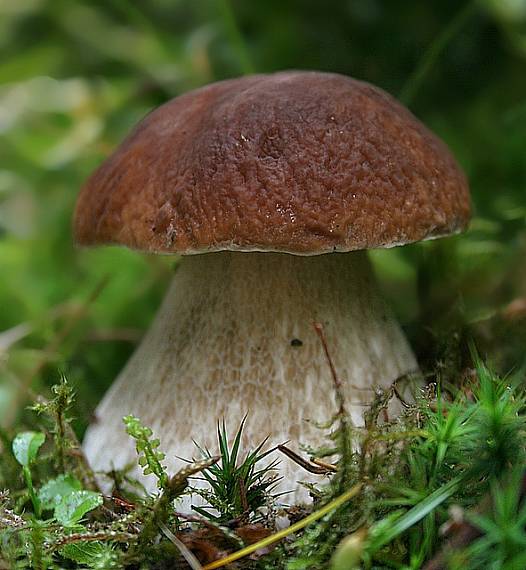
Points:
(234, 337)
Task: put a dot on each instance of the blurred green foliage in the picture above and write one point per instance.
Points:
(75, 76)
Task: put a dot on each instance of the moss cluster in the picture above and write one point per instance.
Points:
(452, 458)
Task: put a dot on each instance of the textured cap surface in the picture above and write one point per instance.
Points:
(301, 162)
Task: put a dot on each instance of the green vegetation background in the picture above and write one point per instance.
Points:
(75, 76)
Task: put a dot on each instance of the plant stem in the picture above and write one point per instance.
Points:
(433, 52)
(34, 498)
(236, 39)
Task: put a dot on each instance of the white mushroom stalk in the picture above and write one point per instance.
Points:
(234, 337)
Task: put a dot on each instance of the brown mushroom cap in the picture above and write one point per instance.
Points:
(300, 162)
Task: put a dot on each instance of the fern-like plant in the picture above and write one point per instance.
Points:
(147, 449)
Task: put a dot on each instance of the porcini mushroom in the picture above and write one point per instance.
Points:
(271, 187)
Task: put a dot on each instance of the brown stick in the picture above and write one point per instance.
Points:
(317, 470)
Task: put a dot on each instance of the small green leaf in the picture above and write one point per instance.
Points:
(55, 490)
(74, 506)
(85, 553)
(26, 445)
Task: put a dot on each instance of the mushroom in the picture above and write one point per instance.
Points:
(271, 187)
